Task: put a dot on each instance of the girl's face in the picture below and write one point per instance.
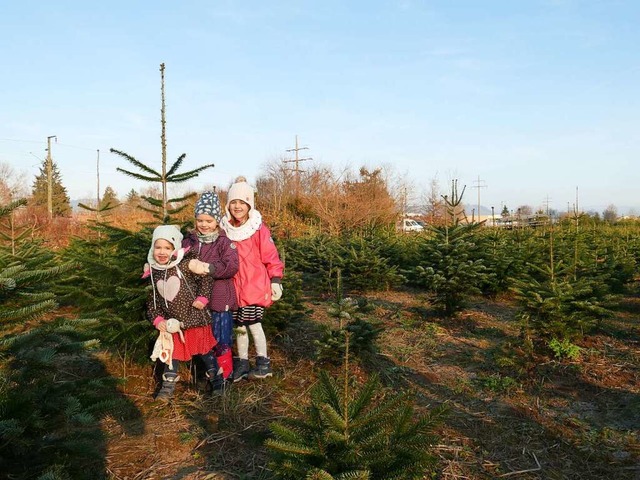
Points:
(206, 224)
(162, 251)
(239, 210)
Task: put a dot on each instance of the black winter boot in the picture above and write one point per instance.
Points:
(262, 369)
(169, 380)
(217, 381)
(241, 369)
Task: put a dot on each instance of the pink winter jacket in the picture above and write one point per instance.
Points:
(260, 264)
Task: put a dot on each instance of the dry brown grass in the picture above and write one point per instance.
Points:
(509, 417)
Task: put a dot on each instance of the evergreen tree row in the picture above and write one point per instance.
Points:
(54, 390)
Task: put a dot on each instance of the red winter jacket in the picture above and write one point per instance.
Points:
(260, 264)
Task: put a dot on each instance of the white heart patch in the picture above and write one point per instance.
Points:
(169, 289)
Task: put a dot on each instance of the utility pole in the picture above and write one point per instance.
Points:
(546, 203)
(403, 226)
(163, 143)
(297, 161)
(404, 203)
(98, 188)
(98, 178)
(576, 209)
(479, 186)
(50, 177)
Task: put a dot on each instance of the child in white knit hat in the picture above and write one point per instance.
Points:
(178, 294)
(258, 281)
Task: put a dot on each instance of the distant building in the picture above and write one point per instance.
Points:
(522, 221)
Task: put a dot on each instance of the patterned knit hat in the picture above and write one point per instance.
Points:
(209, 204)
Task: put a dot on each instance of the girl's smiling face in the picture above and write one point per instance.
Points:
(162, 250)
(206, 224)
(239, 210)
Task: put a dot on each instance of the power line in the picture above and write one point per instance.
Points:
(297, 161)
(50, 176)
(479, 186)
(21, 141)
(546, 203)
(76, 146)
(40, 142)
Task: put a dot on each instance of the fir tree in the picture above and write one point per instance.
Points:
(351, 328)
(364, 267)
(558, 308)
(131, 206)
(556, 305)
(26, 273)
(61, 205)
(450, 265)
(162, 208)
(132, 199)
(350, 432)
(107, 284)
(504, 258)
(11, 232)
(108, 202)
(109, 198)
(53, 390)
(317, 258)
(285, 312)
(347, 432)
(362, 259)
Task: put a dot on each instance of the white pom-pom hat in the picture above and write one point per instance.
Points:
(241, 190)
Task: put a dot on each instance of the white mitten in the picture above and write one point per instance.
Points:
(276, 291)
(198, 267)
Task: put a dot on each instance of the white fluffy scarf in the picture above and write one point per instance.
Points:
(244, 231)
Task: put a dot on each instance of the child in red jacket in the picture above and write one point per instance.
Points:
(257, 281)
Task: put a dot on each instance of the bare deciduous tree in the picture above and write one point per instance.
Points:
(328, 200)
(524, 210)
(275, 188)
(610, 214)
(13, 184)
(434, 206)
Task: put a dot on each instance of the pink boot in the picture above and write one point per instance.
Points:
(225, 361)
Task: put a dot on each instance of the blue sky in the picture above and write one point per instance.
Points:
(535, 98)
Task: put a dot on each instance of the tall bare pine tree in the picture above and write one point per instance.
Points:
(162, 208)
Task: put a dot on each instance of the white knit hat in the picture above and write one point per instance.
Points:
(241, 190)
(171, 234)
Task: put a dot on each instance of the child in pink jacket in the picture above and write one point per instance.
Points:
(257, 281)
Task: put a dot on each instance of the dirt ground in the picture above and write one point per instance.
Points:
(508, 416)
